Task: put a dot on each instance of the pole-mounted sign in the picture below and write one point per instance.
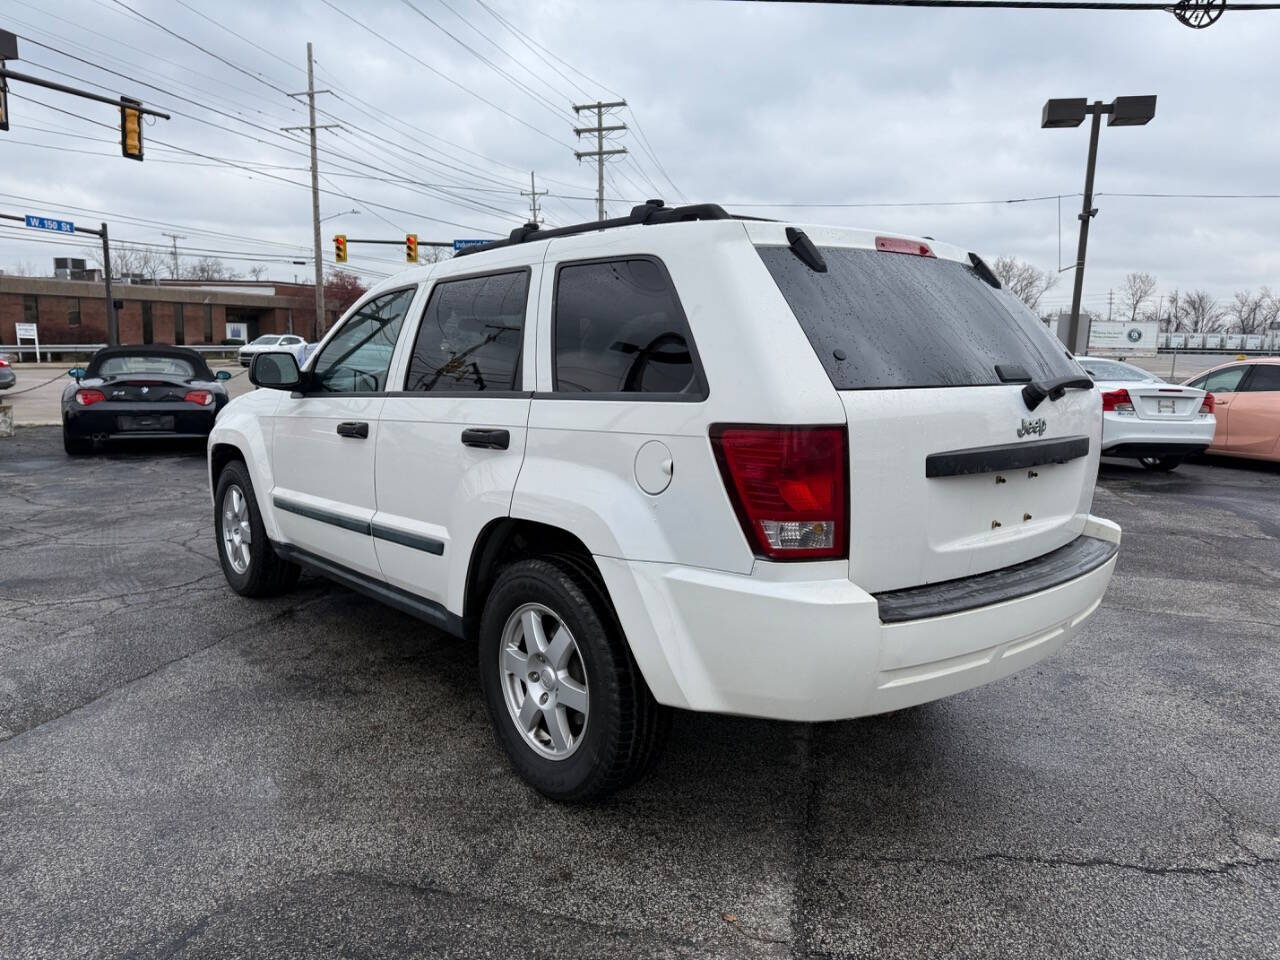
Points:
(49, 223)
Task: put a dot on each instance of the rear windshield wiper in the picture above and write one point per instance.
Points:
(1033, 393)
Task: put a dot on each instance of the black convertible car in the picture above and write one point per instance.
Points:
(145, 391)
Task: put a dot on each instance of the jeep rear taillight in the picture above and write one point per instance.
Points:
(1117, 401)
(789, 487)
(1206, 405)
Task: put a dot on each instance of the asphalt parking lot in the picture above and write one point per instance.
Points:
(185, 773)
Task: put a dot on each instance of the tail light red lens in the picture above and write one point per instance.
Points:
(1206, 405)
(789, 487)
(897, 245)
(87, 398)
(4, 363)
(203, 397)
(1117, 401)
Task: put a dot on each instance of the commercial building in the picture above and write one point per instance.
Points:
(68, 311)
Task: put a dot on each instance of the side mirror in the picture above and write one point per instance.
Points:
(275, 371)
(78, 373)
(222, 375)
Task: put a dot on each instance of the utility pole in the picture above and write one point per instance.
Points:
(533, 194)
(175, 237)
(113, 320)
(600, 153)
(311, 128)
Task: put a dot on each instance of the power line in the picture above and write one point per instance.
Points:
(539, 98)
(444, 76)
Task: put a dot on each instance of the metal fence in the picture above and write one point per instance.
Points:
(24, 351)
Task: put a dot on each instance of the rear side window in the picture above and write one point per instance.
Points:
(1110, 370)
(471, 335)
(906, 321)
(619, 328)
(1265, 376)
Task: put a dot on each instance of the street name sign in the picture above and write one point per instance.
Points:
(49, 223)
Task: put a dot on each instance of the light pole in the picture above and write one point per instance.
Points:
(1122, 112)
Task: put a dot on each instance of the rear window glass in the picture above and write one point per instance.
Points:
(905, 321)
(619, 328)
(1111, 370)
(163, 366)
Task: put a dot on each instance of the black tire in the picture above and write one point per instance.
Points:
(626, 728)
(266, 574)
(75, 446)
(1160, 464)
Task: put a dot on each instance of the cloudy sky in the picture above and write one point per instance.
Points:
(805, 113)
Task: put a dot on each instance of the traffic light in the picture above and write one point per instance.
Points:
(4, 103)
(340, 248)
(411, 248)
(130, 128)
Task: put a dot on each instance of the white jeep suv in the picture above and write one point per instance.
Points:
(681, 459)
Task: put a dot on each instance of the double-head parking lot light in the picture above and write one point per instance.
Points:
(1122, 112)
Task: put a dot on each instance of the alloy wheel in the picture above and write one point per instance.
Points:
(544, 681)
(237, 533)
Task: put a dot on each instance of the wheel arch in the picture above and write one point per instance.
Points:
(507, 539)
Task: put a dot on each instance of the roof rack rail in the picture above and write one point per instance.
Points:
(651, 211)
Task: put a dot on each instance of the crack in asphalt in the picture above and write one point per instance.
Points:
(1215, 870)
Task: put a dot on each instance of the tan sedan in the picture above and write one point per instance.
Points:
(1246, 397)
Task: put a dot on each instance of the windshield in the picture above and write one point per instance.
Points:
(1114, 370)
(888, 320)
(265, 341)
(164, 366)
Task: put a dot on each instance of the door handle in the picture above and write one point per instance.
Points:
(488, 439)
(1221, 403)
(350, 428)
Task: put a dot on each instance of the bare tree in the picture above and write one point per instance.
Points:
(1200, 313)
(1025, 281)
(1247, 311)
(1269, 312)
(129, 259)
(1137, 290)
(257, 271)
(210, 268)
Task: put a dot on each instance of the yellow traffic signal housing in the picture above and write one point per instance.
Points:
(130, 128)
(340, 248)
(411, 247)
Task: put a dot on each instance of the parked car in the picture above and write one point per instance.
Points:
(1159, 423)
(272, 341)
(680, 459)
(1247, 403)
(137, 392)
(7, 377)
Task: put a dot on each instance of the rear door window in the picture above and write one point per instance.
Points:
(1265, 376)
(619, 328)
(471, 335)
(905, 321)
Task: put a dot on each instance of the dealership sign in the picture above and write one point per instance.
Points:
(1117, 338)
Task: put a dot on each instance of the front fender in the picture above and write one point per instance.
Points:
(245, 423)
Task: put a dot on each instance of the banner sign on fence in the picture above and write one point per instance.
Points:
(1121, 339)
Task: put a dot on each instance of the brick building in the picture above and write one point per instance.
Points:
(181, 312)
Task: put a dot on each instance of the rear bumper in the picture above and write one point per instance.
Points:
(102, 420)
(1124, 436)
(818, 650)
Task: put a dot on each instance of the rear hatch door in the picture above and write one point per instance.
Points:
(951, 473)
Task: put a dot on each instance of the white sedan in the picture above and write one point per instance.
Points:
(1158, 423)
(274, 341)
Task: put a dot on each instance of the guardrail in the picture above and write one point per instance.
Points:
(18, 352)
